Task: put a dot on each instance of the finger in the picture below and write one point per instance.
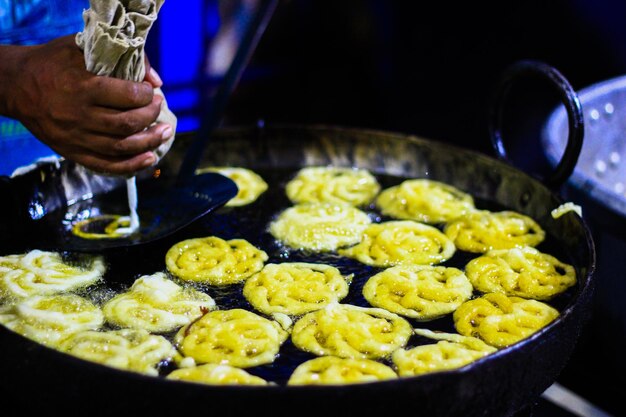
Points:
(115, 165)
(124, 123)
(151, 75)
(119, 94)
(138, 143)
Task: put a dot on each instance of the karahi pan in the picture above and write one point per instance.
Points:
(36, 378)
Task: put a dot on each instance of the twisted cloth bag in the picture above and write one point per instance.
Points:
(113, 43)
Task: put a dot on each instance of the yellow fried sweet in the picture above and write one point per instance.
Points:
(484, 230)
(40, 272)
(295, 288)
(156, 304)
(320, 226)
(128, 349)
(250, 184)
(48, 319)
(234, 337)
(213, 374)
(523, 272)
(424, 200)
(214, 260)
(453, 351)
(420, 292)
(108, 226)
(321, 184)
(332, 370)
(500, 320)
(350, 331)
(403, 242)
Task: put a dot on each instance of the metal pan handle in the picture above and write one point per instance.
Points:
(568, 97)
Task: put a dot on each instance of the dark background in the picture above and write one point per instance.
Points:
(425, 68)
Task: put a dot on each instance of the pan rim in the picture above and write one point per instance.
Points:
(584, 290)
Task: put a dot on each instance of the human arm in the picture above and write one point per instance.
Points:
(100, 122)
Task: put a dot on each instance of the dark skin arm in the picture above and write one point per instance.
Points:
(99, 122)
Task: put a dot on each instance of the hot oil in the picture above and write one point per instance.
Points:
(251, 222)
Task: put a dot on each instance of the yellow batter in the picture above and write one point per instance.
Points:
(250, 184)
(484, 230)
(424, 200)
(39, 272)
(295, 288)
(128, 349)
(332, 370)
(234, 337)
(451, 352)
(156, 304)
(420, 292)
(214, 260)
(401, 243)
(213, 374)
(523, 272)
(500, 320)
(319, 227)
(350, 331)
(48, 319)
(337, 185)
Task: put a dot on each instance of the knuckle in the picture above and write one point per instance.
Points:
(95, 83)
(121, 147)
(155, 111)
(134, 92)
(128, 125)
(139, 94)
(153, 141)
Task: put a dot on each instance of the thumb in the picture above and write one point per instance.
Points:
(152, 76)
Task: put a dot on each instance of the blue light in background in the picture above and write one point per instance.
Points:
(184, 103)
(183, 31)
(180, 42)
(29, 22)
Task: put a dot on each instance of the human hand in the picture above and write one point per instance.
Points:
(100, 122)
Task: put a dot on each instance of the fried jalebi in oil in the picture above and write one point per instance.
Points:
(424, 200)
(484, 230)
(320, 226)
(213, 374)
(128, 349)
(500, 320)
(40, 272)
(451, 352)
(295, 288)
(332, 370)
(106, 226)
(156, 304)
(250, 184)
(350, 331)
(48, 319)
(234, 337)
(337, 185)
(523, 272)
(420, 292)
(403, 242)
(214, 260)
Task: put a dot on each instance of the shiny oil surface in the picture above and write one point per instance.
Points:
(251, 222)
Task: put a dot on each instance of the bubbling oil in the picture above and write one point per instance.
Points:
(251, 222)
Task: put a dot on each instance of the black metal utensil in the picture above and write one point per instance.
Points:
(48, 201)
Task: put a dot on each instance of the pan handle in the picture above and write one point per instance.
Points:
(568, 97)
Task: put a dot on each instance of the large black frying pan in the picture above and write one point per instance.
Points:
(506, 383)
